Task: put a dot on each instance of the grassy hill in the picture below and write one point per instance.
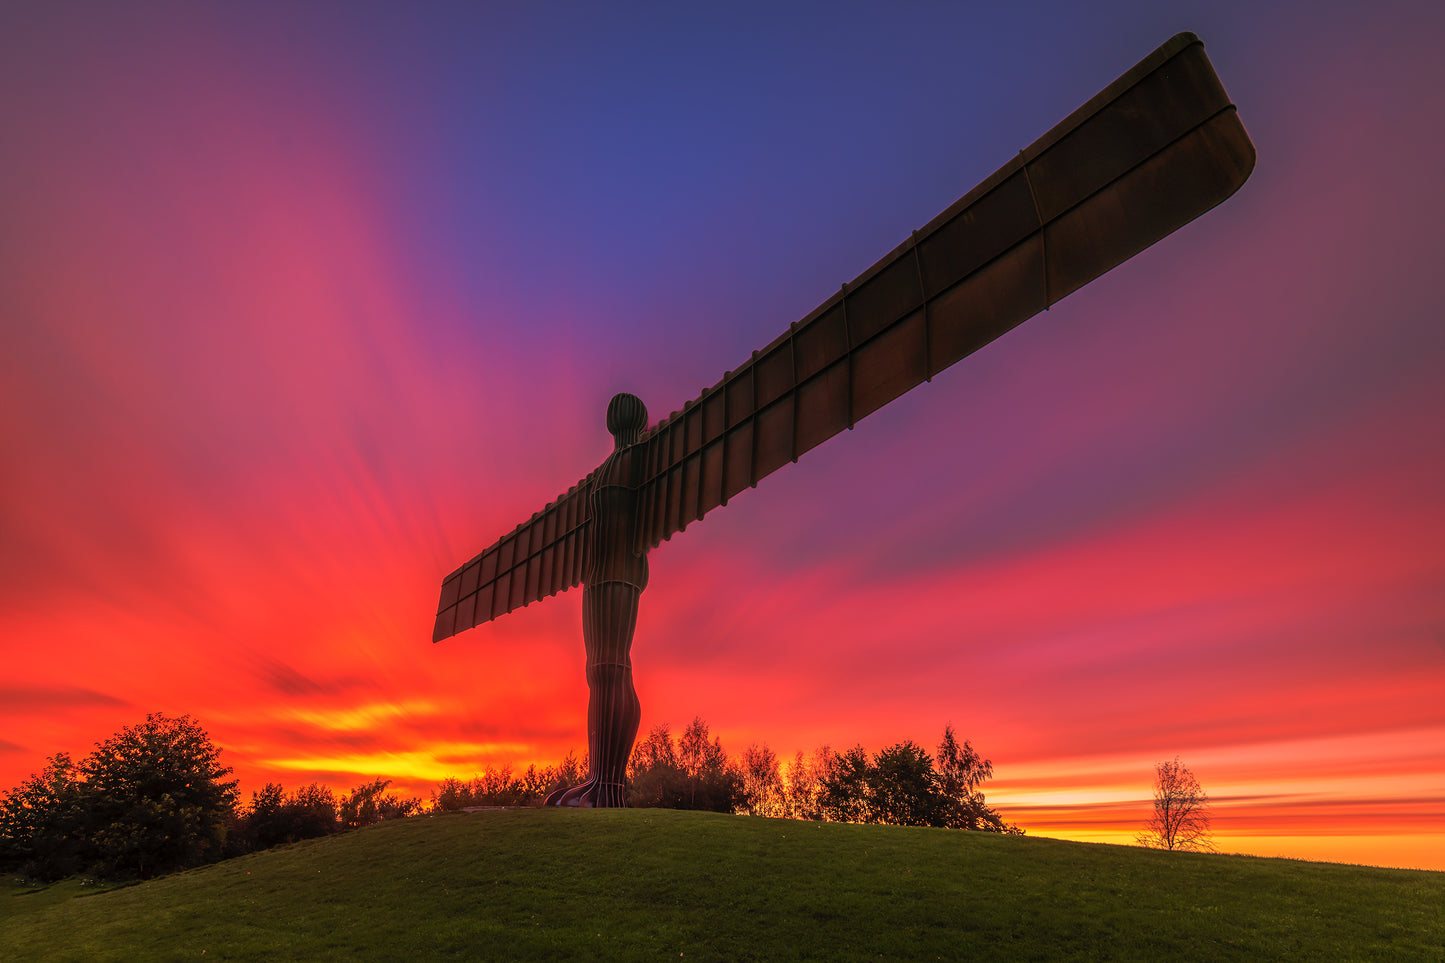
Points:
(656, 883)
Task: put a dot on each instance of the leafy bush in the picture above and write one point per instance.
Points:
(148, 800)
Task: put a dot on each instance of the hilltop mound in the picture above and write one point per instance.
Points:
(632, 883)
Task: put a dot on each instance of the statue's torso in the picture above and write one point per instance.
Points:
(612, 534)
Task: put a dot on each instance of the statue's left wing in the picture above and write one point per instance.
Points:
(540, 557)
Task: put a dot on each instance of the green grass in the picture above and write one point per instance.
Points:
(655, 883)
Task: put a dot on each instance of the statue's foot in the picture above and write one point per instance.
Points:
(581, 796)
(612, 795)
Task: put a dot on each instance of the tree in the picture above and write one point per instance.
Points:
(492, 787)
(43, 823)
(710, 782)
(392, 806)
(805, 782)
(901, 784)
(569, 772)
(961, 771)
(656, 780)
(715, 783)
(846, 795)
(157, 797)
(692, 748)
(310, 812)
(362, 806)
(536, 783)
(497, 787)
(451, 795)
(697, 775)
(763, 793)
(266, 822)
(1180, 819)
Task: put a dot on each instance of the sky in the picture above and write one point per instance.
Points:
(304, 304)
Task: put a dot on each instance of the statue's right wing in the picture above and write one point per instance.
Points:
(540, 557)
(1148, 154)
(1151, 152)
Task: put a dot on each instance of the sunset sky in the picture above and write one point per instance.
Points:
(304, 304)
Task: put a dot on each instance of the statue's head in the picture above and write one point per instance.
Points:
(626, 417)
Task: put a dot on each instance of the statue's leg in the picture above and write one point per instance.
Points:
(613, 711)
(609, 617)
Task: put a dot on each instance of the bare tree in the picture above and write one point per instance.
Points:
(1181, 811)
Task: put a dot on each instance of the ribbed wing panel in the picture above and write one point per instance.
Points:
(540, 557)
(1151, 152)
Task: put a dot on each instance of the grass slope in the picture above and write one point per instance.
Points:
(656, 883)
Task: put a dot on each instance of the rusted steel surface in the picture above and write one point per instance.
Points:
(1155, 149)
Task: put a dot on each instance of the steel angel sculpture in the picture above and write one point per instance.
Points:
(1155, 149)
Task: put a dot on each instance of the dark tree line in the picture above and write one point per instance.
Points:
(901, 785)
(693, 772)
(498, 787)
(275, 817)
(154, 798)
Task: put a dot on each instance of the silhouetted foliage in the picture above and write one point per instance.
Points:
(1180, 819)
(451, 795)
(846, 795)
(763, 792)
(961, 770)
(698, 777)
(44, 825)
(901, 786)
(714, 782)
(366, 806)
(264, 824)
(804, 783)
(156, 798)
(153, 798)
(568, 773)
(274, 818)
(498, 787)
(653, 775)
(148, 800)
(310, 812)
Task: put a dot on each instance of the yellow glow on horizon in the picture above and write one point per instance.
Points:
(360, 718)
(427, 765)
(1067, 798)
(1387, 850)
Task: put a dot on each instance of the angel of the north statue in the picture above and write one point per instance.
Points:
(1151, 152)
